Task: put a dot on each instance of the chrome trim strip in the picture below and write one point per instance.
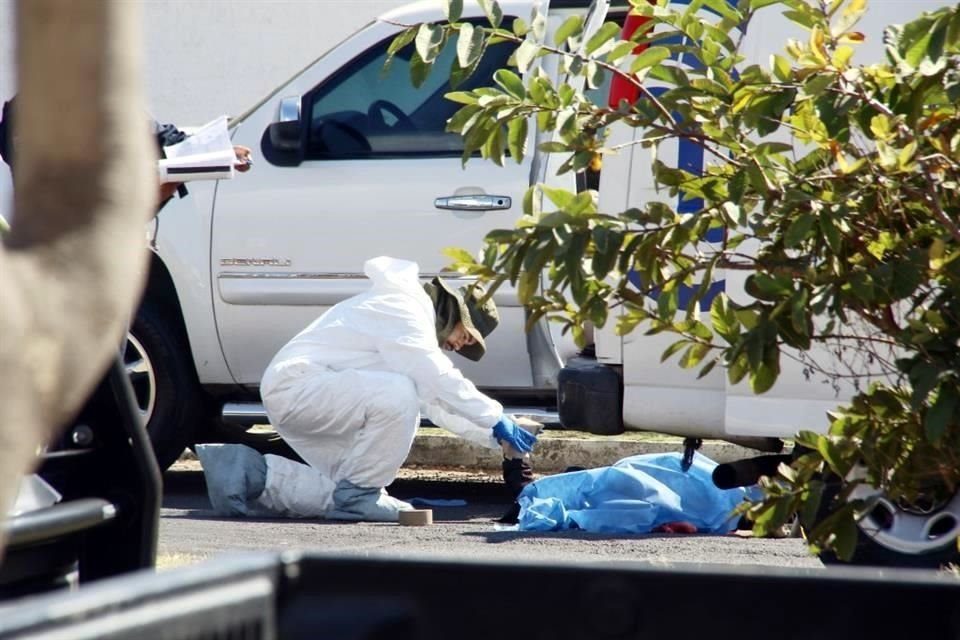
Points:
(275, 275)
(254, 413)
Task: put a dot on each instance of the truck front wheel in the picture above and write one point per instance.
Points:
(164, 384)
(894, 534)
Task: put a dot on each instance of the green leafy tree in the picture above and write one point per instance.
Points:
(836, 190)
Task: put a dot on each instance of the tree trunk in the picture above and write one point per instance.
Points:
(73, 264)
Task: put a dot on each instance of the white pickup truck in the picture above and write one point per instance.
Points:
(352, 163)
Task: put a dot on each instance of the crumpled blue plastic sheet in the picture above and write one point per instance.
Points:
(635, 495)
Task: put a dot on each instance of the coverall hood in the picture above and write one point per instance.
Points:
(453, 305)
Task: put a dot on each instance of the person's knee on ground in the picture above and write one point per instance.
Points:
(235, 476)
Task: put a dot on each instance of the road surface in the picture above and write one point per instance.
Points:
(190, 532)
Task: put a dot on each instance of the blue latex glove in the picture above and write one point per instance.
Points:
(506, 430)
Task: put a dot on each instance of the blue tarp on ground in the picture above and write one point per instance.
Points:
(635, 495)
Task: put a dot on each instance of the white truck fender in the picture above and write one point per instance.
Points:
(181, 236)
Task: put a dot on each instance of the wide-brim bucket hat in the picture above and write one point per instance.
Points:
(453, 304)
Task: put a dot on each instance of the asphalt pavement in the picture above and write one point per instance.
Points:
(190, 532)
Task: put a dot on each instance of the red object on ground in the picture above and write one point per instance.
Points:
(676, 527)
(620, 87)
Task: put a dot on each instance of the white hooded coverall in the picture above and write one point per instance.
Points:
(347, 391)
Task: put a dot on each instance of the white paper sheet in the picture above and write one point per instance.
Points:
(206, 154)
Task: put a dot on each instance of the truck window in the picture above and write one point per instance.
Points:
(363, 113)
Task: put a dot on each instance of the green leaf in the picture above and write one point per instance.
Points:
(582, 203)
(460, 119)
(620, 51)
(674, 348)
(763, 378)
(530, 199)
(775, 512)
(495, 145)
(924, 377)
(724, 319)
(399, 42)
(805, 15)
(572, 26)
(667, 303)
(737, 371)
(767, 110)
(940, 415)
(707, 368)
(798, 230)
(493, 12)
(528, 285)
(511, 83)
(830, 232)
(763, 286)
(419, 70)
(453, 9)
(428, 41)
(553, 147)
(560, 197)
(459, 74)
(649, 58)
(525, 55)
(833, 456)
(845, 536)
(404, 38)
(517, 138)
(608, 243)
(603, 35)
(915, 43)
(781, 67)
(811, 504)
(538, 26)
(694, 355)
(748, 318)
(461, 97)
(738, 185)
(476, 138)
(520, 27)
(469, 45)
(459, 255)
(723, 8)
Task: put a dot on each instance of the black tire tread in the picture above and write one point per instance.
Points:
(180, 406)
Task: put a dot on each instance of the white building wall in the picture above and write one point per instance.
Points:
(210, 57)
(207, 57)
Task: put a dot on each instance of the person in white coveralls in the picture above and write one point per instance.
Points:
(346, 393)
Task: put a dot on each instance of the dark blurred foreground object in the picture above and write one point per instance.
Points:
(6, 132)
(106, 524)
(291, 597)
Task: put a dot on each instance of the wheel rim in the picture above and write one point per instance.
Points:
(142, 376)
(908, 531)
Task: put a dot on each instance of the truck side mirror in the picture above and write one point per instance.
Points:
(286, 133)
(282, 140)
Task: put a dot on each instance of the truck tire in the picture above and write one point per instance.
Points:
(894, 535)
(157, 360)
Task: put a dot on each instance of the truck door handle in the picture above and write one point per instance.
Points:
(473, 203)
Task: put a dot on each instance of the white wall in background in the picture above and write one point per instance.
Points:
(207, 57)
